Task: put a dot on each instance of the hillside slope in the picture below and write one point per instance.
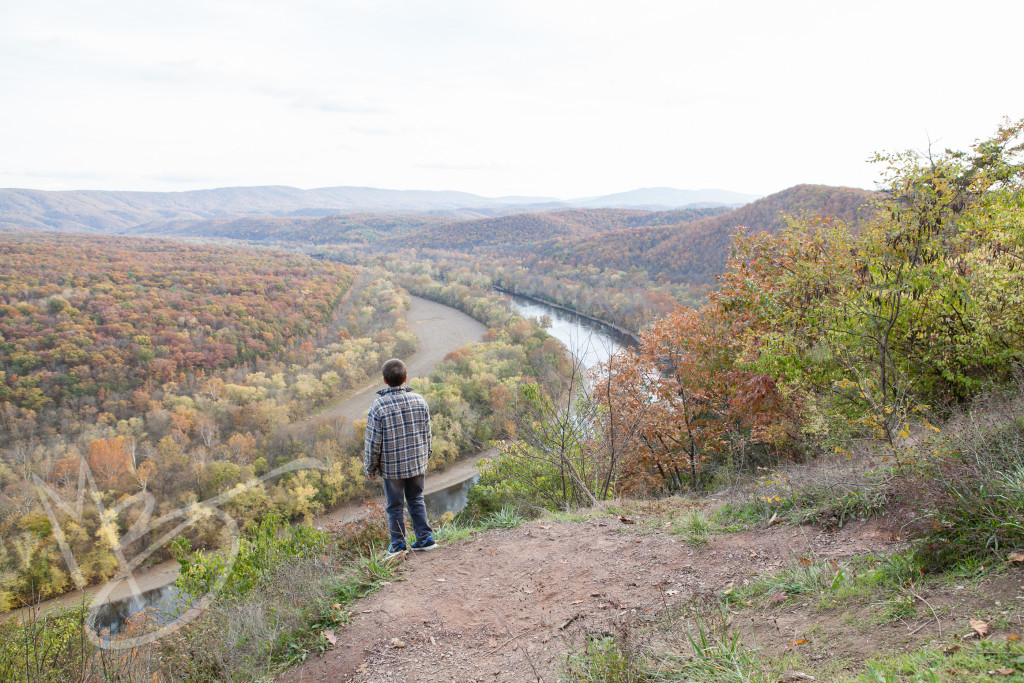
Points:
(535, 228)
(697, 251)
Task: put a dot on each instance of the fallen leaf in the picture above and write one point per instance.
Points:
(753, 554)
(576, 602)
(778, 596)
(1011, 637)
(336, 605)
(980, 627)
(671, 592)
(595, 595)
(545, 527)
(1004, 671)
(729, 585)
(441, 580)
(492, 643)
(362, 667)
(397, 643)
(805, 561)
(1016, 556)
(796, 676)
(331, 638)
(802, 641)
(626, 520)
(774, 520)
(951, 649)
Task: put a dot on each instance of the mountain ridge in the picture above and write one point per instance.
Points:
(114, 211)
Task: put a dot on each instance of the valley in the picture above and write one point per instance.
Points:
(817, 430)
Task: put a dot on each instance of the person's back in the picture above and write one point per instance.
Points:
(397, 447)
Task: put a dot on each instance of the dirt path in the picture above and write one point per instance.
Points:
(507, 605)
(440, 330)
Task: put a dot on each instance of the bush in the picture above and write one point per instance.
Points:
(48, 647)
(971, 499)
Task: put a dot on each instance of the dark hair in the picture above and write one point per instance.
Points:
(394, 372)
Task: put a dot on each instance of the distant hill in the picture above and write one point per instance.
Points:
(696, 251)
(528, 229)
(659, 198)
(102, 211)
(426, 231)
(359, 228)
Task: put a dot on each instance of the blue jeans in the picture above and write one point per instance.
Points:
(397, 493)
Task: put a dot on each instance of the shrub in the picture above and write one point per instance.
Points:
(971, 498)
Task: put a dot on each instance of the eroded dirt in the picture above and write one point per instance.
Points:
(506, 605)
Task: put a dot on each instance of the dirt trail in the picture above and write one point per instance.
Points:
(506, 605)
(440, 330)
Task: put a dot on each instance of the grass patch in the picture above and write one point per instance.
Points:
(569, 516)
(505, 518)
(453, 531)
(605, 659)
(706, 650)
(804, 577)
(971, 663)
(719, 655)
(695, 528)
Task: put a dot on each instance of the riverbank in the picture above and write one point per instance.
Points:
(622, 331)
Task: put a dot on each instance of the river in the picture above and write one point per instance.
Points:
(589, 340)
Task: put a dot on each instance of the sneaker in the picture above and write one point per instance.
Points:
(396, 548)
(426, 544)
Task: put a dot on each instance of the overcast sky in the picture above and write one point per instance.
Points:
(495, 97)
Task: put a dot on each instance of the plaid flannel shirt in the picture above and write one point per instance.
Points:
(397, 434)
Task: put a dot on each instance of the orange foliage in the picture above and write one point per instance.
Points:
(110, 463)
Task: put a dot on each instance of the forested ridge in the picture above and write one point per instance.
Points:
(696, 251)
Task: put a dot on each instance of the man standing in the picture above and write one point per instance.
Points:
(397, 447)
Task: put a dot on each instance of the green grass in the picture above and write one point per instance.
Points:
(695, 528)
(608, 660)
(570, 516)
(805, 577)
(453, 531)
(505, 518)
(970, 663)
(719, 655)
(971, 495)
